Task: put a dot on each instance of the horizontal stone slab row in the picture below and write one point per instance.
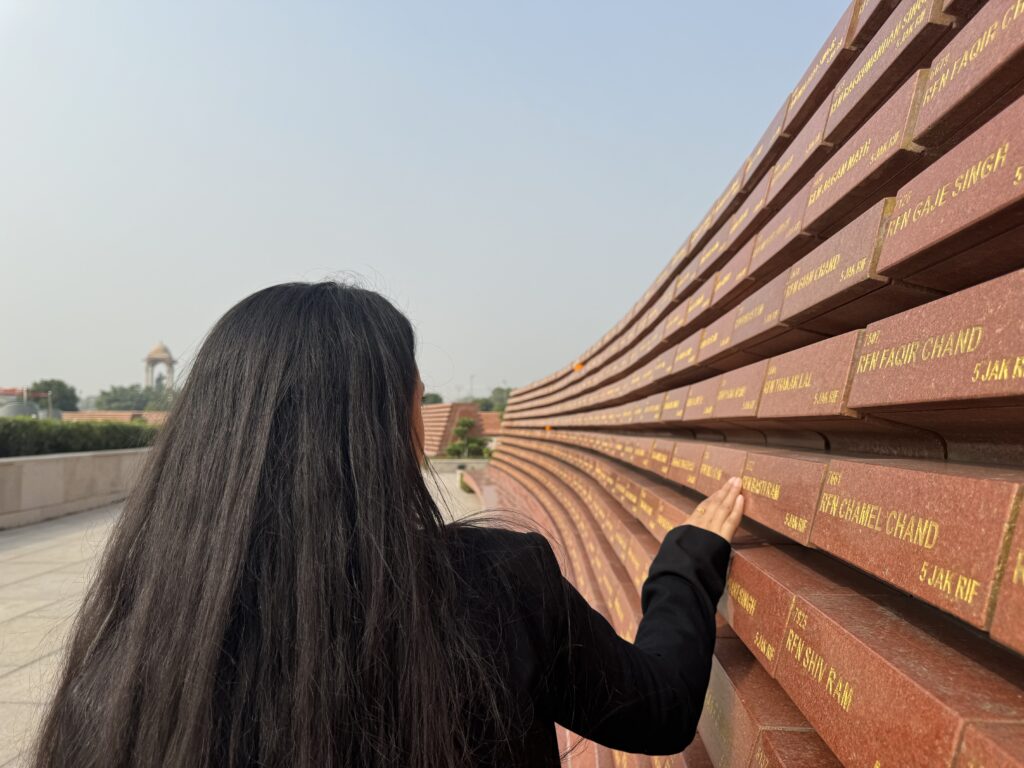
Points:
(942, 532)
(786, 600)
(953, 367)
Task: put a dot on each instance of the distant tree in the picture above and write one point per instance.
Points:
(131, 398)
(499, 397)
(464, 445)
(497, 400)
(135, 398)
(432, 398)
(64, 395)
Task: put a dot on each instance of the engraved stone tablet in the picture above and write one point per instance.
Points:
(880, 149)
(968, 196)
(934, 530)
(781, 490)
(962, 349)
(898, 48)
(866, 678)
(975, 71)
(812, 381)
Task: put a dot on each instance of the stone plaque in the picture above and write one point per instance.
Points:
(674, 406)
(731, 281)
(934, 530)
(969, 195)
(758, 314)
(739, 392)
(687, 456)
(660, 459)
(768, 148)
(899, 47)
(812, 381)
(801, 158)
(723, 206)
(685, 357)
(701, 399)
(744, 223)
(962, 349)
(782, 488)
(979, 66)
(783, 239)
(872, 156)
(839, 270)
(700, 301)
(1008, 621)
(870, 16)
(882, 692)
(720, 462)
(832, 60)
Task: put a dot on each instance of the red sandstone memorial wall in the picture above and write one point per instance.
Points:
(844, 330)
(439, 422)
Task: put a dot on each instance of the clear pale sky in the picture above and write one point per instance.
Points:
(512, 175)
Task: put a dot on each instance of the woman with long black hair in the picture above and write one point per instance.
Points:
(281, 590)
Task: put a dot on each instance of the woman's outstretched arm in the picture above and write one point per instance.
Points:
(644, 696)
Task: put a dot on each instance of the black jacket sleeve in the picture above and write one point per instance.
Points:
(644, 696)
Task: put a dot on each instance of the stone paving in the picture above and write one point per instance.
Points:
(44, 570)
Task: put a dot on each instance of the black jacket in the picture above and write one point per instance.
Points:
(565, 664)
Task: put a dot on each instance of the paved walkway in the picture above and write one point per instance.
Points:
(44, 570)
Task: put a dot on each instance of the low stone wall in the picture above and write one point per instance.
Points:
(37, 488)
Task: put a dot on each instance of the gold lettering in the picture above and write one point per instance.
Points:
(743, 598)
(765, 488)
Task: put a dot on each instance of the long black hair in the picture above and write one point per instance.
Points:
(278, 590)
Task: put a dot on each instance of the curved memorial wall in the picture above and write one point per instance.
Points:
(844, 330)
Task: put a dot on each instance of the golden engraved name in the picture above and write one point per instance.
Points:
(824, 184)
(749, 315)
(684, 355)
(900, 33)
(732, 393)
(759, 487)
(813, 663)
(695, 400)
(945, 70)
(962, 341)
(680, 463)
(781, 228)
(822, 270)
(914, 529)
(743, 598)
(827, 57)
(963, 182)
(715, 473)
(794, 382)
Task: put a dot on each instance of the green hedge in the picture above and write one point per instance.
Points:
(23, 436)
